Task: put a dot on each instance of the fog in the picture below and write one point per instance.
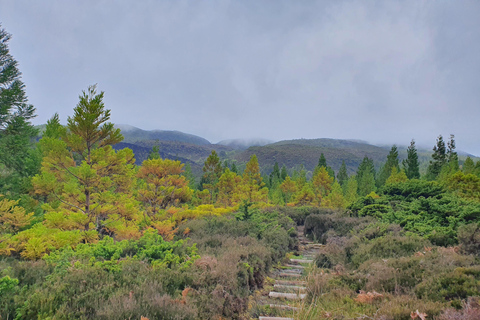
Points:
(384, 72)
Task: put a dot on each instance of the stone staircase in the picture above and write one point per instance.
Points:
(290, 284)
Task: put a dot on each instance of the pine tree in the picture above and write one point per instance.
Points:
(366, 177)
(212, 170)
(351, 192)
(154, 153)
(392, 162)
(342, 175)
(322, 162)
(335, 199)
(17, 155)
(283, 173)
(439, 159)
(80, 170)
(234, 168)
(411, 164)
(253, 183)
(468, 166)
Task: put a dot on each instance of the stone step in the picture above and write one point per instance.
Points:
(299, 271)
(287, 275)
(301, 261)
(274, 318)
(288, 296)
(283, 307)
(289, 287)
(295, 266)
(291, 282)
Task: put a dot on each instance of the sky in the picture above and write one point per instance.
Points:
(380, 71)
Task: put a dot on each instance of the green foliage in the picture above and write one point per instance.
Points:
(411, 164)
(386, 170)
(366, 177)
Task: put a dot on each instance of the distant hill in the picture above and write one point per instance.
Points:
(242, 144)
(292, 153)
(134, 134)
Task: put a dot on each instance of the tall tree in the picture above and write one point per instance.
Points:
(253, 182)
(392, 162)
(342, 175)
(81, 171)
(283, 173)
(212, 170)
(322, 162)
(16, 131)
(439, 159)
(411, 164)
(366, 177)
(468, 166)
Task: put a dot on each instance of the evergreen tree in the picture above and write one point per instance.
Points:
(439, 159)
(154, 153)
(411, 164)
(342, 175)
(322, 162)
(188, 174)
(392, 162)
(212, 170)
(89, 184)
(351, 192)
(452, 156)
(468, 166)
(366, 177)
(253, 182)
(234, 168)
(275, 175)
(17, 155)
(283, 173)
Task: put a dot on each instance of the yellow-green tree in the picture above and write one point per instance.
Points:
(87, 184)
(335, 199)
(162, 185)
(229, 189)
(253, 186)
(288, 187)
(13, 217)
(396, 176)
(321, 183)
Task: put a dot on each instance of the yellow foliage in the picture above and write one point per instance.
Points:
(13, 217)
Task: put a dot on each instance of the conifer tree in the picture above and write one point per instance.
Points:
(229, 188)
(283, 173)
(212, 170)
(234, 168)
(439, 159)
(81, 171)
(468, 166)
(342, 175)
(411, 164)
(253, 182)
(335, 199)
(154, 153)
(289, 188)
(17, 154)
(392, 162)
(351, 192)
(366, 177)
(322, 162)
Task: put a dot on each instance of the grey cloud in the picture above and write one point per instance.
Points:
(385, 72)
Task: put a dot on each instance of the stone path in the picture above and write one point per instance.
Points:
(289, 280)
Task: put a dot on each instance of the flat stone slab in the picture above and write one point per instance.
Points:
(291, 282)
(283, 307)
(299, 271)
(301, 261)
(286, 275)
(294, 266)
(289, 287)
(288, 296)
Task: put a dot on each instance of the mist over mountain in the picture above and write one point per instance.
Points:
(241, 144)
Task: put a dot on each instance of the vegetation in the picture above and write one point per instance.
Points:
(88, 232)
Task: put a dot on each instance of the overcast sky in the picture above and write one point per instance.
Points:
(381, 71)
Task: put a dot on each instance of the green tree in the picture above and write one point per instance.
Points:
(87, 182)
(212, 170)
(468, 166)
(366, 177)
(253, 183)
(283, 173)
(322, 162)
(392, 162)
(17, 157)
(411, 165)
(439, 159)
(342, 175)
(154, 153)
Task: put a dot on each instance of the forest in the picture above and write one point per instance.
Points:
(88, 233)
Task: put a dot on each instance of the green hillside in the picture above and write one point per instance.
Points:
(134, 134)
(292, 153)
